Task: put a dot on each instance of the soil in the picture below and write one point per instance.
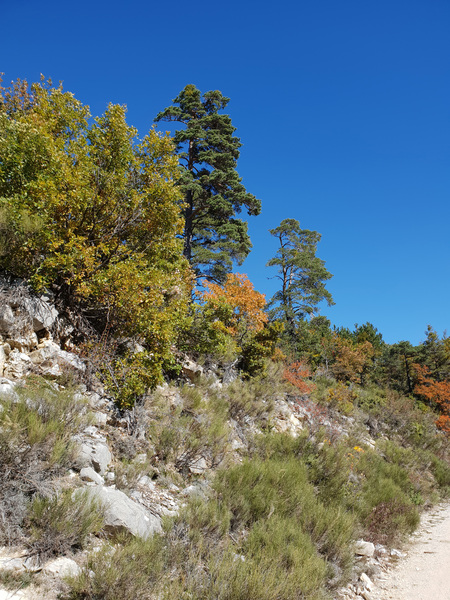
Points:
(424, 574)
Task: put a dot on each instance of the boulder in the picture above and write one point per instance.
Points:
(363, 548)
(7, 319)
(123, 514)
(4, 353)
(7, 388)
(41, 311)
(94, 454)
(88, 474)
(192, 370)
(61, 567)
(51, 360)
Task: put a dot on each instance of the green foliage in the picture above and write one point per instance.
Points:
(196, 429)
(212, 189)
(206, 337)
(93, 213)
(259, 348)
(62, 523)
(128, 570)
(301, 273)
(35, 445)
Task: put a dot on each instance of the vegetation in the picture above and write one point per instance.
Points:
(93, 214)
(300, 436)
(301, 273)
(213, 191)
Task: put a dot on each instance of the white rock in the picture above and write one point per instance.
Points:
(366, 581)
(8, 595)
(198, 466)
(363, 548)
(62, 567)
(7, 318)
(88, 474)
(18, 365)
(123, 514)
(9, 563)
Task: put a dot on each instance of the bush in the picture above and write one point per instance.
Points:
(36, 427)
(62, 523)
(129, 569)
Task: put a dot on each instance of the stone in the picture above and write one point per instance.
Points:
(366, 581)
(397, 553)
(88, 474)
(52, 360)
(192, 370)
(3, 356)
(17, 595)
(123, 514)
(363, 548)
(14, 564)
(147, 482)
(100, 418)
(7, 388)
(18, 365)
(7, 319)
(198, 466)
(94, 454)
(42, 313)
(61, 567)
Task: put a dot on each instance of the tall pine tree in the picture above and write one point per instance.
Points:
(301, 273)
(213, 191)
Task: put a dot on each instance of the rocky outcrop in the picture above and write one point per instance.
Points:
(93, 450)
(122, 514)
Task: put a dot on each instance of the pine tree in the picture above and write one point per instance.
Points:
(213, 191)
(301, 272)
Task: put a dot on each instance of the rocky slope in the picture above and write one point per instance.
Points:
(112, 463)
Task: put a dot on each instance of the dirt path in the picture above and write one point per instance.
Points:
(425, 572)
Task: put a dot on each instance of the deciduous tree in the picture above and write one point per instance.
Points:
(93, 214)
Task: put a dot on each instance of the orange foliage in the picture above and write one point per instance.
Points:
(351, 360)
(437, 392)
(246, 303)
(296, 373)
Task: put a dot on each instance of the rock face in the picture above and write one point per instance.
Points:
(93, 452)
(123, 514)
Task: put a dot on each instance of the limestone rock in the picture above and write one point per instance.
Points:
(192, 370)
(18, 365)
(198, 466)
(94, 454)
(88, 474)
(7, 319)
(123, 514)
(61, 567)
(364, 548)
(366, 581)
(7, 388)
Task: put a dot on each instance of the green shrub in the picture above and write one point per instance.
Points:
(36, 428)
(130, 569)
(62, 523)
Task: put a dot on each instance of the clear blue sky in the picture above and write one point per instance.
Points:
(342, 108)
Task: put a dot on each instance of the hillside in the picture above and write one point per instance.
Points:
(167, 431)
(211, 486)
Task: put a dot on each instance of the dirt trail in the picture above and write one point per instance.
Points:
(425, 573)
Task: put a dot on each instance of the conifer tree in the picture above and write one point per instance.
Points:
(213, 191)
(301, 273)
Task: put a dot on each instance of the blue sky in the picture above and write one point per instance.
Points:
(342, 109)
